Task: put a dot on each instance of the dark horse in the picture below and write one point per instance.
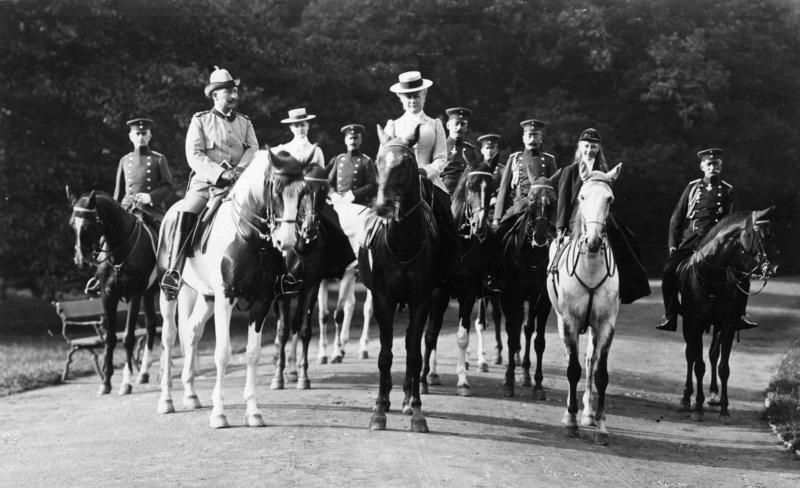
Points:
(711, 281)
(397, 263)
(470, 211)
(129, 258)
(525, 242)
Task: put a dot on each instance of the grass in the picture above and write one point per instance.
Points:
(783, 398)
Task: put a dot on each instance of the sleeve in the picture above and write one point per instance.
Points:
(119, 188)
(678, 218)
(165, 185)
(366, 192)
(331, 169)
(565, 198)
(439, 156)
(502, 193)
(318, 159)
(730, 204)
(552, 168)
(203, 166)
(250, 147)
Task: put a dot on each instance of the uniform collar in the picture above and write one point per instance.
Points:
(142, 151)
(714, 180)
(354, 152)
(230, 117)
(533, 152)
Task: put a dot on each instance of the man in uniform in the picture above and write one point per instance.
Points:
(460, 153)
(703, 203)
(522, 168)
(143, 180)
(353, 175)
(220, 143)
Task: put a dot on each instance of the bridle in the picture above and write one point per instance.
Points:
(407, 153)
(542, 216)
(478, 229)
(131, 240)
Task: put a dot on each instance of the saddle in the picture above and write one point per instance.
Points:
(205, 220)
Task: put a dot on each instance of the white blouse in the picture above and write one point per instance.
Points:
(301, 150)
(431, 149)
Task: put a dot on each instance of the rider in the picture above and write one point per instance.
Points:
(633, 282)
(460, 153)
(143, 180)
(490, 153)
(220, 143)
(703, 203)
(300, 147)
(353, 175)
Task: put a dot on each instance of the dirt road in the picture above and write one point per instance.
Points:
(66, 436)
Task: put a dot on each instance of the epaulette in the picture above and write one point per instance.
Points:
(548, 155)
(695, 181)
(514, 155)
(157, 153)
(198, 114)
(239, 114)
(469, 144)
(727, 184)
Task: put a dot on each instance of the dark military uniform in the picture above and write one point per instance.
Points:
(521, 170)
(460, 155)
(143, 171)
(356, 172)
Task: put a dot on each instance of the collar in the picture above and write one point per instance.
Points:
(714, 180)
(230, 117)
(354, 152)
(142, 151)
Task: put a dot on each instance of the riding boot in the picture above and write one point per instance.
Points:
(744, 321)
(669, 290)
(171, 281)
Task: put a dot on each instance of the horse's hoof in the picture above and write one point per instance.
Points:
(463, 390)
(291, 376)
(483, 367)
(572, 431)
(322, 360)
(601, 438)
(218, 422)
(304, 384)
(697, 416)
(276, 384)
(423, 388)
(125, 389)
(498, 360)
(588, 421)
(143, 379)
(725, 419)
(418, 424)
(434, 379)
(713, 400)
(407, 410)
(517, 359)
(192, 402)
(508, 391)
(539, 394)
(254, 420)
(365, 354)
(377, 422)
(166, 406)
(104, 389)
(336, 360)
(526, 379)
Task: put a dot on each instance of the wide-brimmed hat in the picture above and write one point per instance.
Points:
(220, 78)
(590, 135)
(712, 153)
(409, 82)
(298, 115)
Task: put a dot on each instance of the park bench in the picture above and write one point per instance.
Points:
(82, 326)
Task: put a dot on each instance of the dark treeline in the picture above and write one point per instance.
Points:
(660, 80)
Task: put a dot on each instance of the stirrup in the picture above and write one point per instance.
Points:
(171, 283)
(93, 286)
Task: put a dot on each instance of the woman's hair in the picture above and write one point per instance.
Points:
(600, 159)
(422, 94)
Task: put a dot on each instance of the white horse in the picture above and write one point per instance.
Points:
(351, 217)
(584, 290)
(270, 187)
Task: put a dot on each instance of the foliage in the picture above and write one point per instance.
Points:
(660, 80)
(783, 398)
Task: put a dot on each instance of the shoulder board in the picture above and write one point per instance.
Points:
(240, 114)
(515, 155)
(156, 153)
(469, 144)
(198, 114)
(728, 185)
(694, 182)
(548, 155)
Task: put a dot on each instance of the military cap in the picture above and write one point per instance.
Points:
(532, 125)
(298, 115)
(710, 153)
(590, 135)
(140, 123)
(409, 82)
(489, 139)
(352, 129)
(220, 78)
(316, 174)
(458, 113)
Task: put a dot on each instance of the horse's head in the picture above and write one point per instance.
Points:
(87, 227)
(285, 188)
(398, 178)
(752, 243)
(595, 199)
(311, 201)
(541, 210)
(475, 188)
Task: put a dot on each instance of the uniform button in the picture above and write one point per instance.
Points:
(148, 164)
(148, 179)
(148, 170)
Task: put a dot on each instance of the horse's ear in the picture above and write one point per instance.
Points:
(761, 214)
(92, 199)
(382, 135)
(274, 160)
(71, 197)
(614, 173)
(412, 139)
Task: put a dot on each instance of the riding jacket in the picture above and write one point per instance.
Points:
(701, 205)
(301, 149)
(431, 148)
(522, 168)
(460, 155)
(143, 171)
(356, 172)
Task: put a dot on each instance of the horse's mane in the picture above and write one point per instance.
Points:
(249, 188)
(472, 183)
(542, 188)
(725, 224)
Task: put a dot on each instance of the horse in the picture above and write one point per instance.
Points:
(470, 208)
(351, 216)
(239, 259)
(733, 252)
(525, 261)
(482, 325)
(583, 287)
(304, 266)
(398, 261)
(128, 256)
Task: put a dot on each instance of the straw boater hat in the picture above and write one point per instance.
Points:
(298, 115)
(409, 82)
(220, 78)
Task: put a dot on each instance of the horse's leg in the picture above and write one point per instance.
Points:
(527, 330)
(588, 417)
(169, 332)
(569, 335)
(324, 313)
(281, 337)
(439, 302)
(465, 304)
(129, 342)
(344, 312)
(497, 318)
(512, 309)
(713, 359)
(258, 314)
(418, 314)
(364, 340)
(194, 311)
(110, 310)
(291, 356)
(222, 357)
(693, 335)
(688, 388)
(150, 323)
(480, 328)
(384, 315)
(605, 335)
(542, 312)
(303, 317)
(726, 343)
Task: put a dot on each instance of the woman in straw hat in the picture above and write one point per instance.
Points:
(300, 147)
